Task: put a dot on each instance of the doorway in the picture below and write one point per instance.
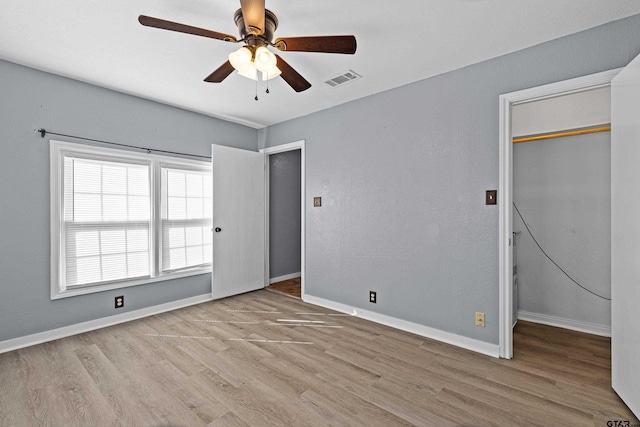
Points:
(505, 195)
(562, 211)
(285, 218)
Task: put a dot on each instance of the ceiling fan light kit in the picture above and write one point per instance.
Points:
(257, 26)
(248, 62)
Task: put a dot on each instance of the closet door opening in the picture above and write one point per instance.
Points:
(507, 212)
(562, 211)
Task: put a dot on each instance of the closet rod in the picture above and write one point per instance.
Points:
(562, 134)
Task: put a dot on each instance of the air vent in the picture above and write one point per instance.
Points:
(343, 78)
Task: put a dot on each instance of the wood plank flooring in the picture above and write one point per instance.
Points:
(264, 359)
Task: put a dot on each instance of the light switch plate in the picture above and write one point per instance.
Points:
(492, 197)
(317, 202)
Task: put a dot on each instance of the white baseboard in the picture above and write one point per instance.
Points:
(54, 334)
(414, 328)
(285, 277)
(574, 325)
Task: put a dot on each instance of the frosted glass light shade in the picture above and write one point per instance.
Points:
(249, 71)
(265, 61)
(275, 72)
(241, 59)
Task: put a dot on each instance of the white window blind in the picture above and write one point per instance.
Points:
(186, 218)
(106, 220)
(120, 218)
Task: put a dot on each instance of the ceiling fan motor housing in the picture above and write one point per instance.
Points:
(270, 26)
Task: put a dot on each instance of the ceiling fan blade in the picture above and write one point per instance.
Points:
(327, 44)
(220, 74)
(291, 76)
(253, 14)
(148, 21)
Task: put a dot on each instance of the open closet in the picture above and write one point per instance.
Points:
(562, 211)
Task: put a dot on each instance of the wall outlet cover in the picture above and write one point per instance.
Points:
(372, 297)
(119, 301)
(479, 319)
(317, 202)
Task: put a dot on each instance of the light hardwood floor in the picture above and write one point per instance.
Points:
(264, 359)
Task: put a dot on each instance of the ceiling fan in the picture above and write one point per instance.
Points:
(257, 26)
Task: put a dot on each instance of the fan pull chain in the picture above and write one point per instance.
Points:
(256, 98)
(267, 91)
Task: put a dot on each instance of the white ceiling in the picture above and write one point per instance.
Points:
(101, 42)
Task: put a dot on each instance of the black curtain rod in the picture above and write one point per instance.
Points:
(43, 132)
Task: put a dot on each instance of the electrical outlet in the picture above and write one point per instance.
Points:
(372, 297)
(317, 202)
(479, 319)
(119, 302)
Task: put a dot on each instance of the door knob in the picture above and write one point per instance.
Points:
(218, 229)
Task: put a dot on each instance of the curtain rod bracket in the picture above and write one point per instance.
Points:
(42, 131)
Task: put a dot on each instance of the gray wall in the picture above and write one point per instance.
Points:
(284, 213)
(31, 99)
(562, 188)
(403, 175)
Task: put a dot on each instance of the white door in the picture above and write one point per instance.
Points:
(625, 234)
(238, 221)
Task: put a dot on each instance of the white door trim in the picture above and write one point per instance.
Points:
(298, 145)
(505, 192)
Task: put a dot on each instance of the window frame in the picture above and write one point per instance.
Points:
(58, 151)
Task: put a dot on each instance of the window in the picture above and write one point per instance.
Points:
(121, 218)
(186, 218)
(107, 211)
